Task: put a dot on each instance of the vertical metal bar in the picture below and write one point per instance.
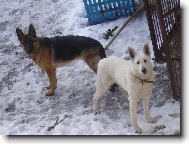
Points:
(150, 25)
(170, 64)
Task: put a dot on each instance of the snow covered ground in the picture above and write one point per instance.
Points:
(25, 110)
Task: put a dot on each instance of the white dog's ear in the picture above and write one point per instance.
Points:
(132, 52)
(146, 50)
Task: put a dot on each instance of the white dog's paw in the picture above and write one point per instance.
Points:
(138, 130)
(151, 120)
(96, 111)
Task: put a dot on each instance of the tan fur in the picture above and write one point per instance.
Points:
(92, 60)
(46, 63)
(45, 57)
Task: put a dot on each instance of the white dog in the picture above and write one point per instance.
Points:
(135, 77)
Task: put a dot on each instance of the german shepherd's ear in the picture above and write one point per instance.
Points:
(31, 31)
(146, 50)
(20, 34)
(132, 52)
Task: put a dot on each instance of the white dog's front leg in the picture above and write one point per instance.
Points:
(133, 116)
(146, 102)
(95, 104)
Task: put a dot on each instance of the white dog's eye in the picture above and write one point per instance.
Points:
(138, 62)
(145, 61)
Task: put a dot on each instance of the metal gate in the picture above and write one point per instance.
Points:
(164, 24)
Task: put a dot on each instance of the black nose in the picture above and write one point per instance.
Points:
(144, 70)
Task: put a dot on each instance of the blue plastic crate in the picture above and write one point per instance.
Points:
(101, 10)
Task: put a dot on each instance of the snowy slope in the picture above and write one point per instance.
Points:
(25, 110)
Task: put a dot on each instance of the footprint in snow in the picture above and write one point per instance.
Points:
(11, 107)
(157, 128)
(158, 117)
(174, 115)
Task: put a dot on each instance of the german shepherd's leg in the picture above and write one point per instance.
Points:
(51, 73)
(92, 61)
(49, 86)
(93, 57)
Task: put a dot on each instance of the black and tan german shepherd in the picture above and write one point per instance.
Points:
(50, 53)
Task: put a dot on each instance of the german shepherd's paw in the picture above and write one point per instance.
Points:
(49, 86)
(49, 92)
